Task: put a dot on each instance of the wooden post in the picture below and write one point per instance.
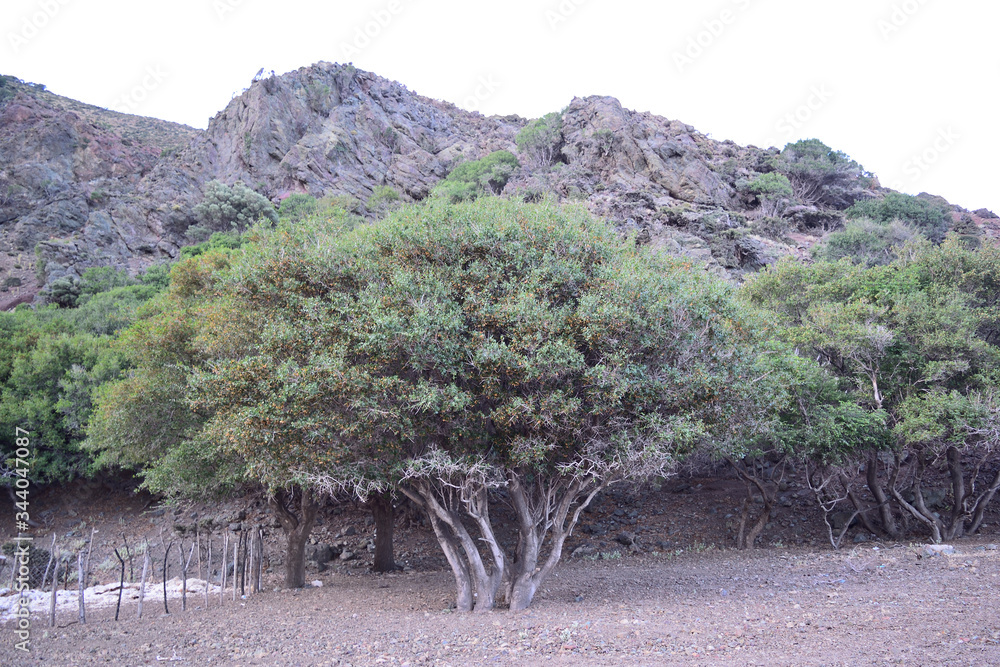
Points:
(142, 584)
(81, 575)
(260, 565)
(165, 566)
(222, 573)
(197, 541)
(236, 545)
(250, 561)
(121, 584)
(55, 589)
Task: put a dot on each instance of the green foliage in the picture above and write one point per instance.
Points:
(235, 208)
(771, 190)
(469, 180)
(931, 218)
(384, 198)
(218, 242)
(915, 339)
(540, 139)
(820, 175)
(297, 206)
(143, 421)
(53, 360)
(528, 335)
(63, 292)
(866, 242)
(770, 185)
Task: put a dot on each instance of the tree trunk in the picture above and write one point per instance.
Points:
(542, 507)
(296, 529)
(878, 493)
(385, 518)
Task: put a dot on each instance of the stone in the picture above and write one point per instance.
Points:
(938, 550)
(625, 538)
(346, 555)
(583, 550)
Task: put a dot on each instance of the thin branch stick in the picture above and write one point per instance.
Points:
(52, 555)
(90, 549)
(184, 574)
(55, 589)
(121, 584)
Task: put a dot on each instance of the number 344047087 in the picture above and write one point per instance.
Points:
(21, 468)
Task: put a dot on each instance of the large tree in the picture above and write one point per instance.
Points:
(145, 422)
(468, 353)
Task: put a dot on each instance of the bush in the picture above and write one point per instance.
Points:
(929, 217)
(771, 190)
(224, 241)
(469, 180)
(297, 206)
(865, 242)
(820, 175)
(384, 198)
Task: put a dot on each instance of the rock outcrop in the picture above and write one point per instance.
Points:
(83, 186)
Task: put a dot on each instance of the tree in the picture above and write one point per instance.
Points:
(822, 176)
(541, 138)
(146, 421)
(915, 340)
(772, 191)
(226, 208)
(466, 353)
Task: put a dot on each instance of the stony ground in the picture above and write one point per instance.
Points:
(886, 605)
(681, 595)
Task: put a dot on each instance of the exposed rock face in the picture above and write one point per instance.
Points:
(81, 186)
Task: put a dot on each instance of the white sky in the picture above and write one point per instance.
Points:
(906, 87)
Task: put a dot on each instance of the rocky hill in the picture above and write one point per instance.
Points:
(83, 186)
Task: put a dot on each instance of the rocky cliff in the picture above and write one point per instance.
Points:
(83, 186)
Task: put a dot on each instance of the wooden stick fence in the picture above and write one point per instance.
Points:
(240, 568)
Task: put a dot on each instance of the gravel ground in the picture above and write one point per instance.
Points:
(890, 604)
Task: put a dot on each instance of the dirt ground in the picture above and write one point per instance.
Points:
(682, 594)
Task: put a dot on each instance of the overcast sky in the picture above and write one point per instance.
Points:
(908, 88)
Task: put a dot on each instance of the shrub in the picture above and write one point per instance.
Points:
(297, 206)
(541, 138)
(820, 175)
(865, 242)
(237, 207)
(384, 198)
(469, 180)
(929, 217)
